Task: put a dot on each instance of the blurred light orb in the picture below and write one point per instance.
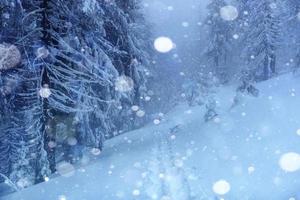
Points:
(221, 187)
(65, 169)
(273, 5)
(290, 162)
(185, 24)
(51, 144)
(45, 91)
(46, 179)
(10, 56)
(42, 52)
(156, 121)
(235, 36)
(140, 113)
(62, 197)
(136, 192)
(251, 169)
(163, 44)
(147, 98)
(124, 84)
(95, 151)
(135, 108)
(229, 13)
(72, 141)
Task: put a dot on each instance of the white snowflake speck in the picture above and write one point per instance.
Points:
(65, 169)
(51, 144)
(62, 197)
(95, 151)
(156, 121)
(235, 36)
(124, 84)
(135, 108)
(251, 169)
(42, 52)
(273, 5)
(147, 98)
(298, 132)
(140, 113)
(45, 91)
(185, 24)
(170, 8)
(229, 13)
(136, 192)
(72, 141)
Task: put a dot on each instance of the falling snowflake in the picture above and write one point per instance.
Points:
(42, 52)
(273, 5)
(229, 13)
(163, 44)
(251, 169)
(298, 132)
(72, 141)
(135, 108)
(147, 98)
(62, 197)
(170, 8)
(45, 91)
(221, 187)
(95, 151)
(290, 162)
(124, 84)
(136, 192)
(140, 113)
(235, 36)
(65, 169)
(185, 24)
(156, 121)
(51, 144)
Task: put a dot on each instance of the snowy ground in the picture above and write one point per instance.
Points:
(183, 158)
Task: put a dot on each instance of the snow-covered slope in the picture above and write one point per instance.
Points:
(183, 158)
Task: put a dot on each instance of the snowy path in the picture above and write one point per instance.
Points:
(168, 178)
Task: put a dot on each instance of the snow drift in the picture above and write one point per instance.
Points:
(250, 151)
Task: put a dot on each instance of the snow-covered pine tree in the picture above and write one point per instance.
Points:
(217, 55)
(292, 27)
(24, 111)
(129, 35)
(260, 40)
(72, 56)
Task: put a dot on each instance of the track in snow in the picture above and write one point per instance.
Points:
(168, 179)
